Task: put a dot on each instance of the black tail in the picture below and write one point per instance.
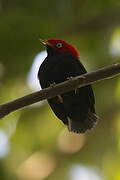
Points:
(83, 125)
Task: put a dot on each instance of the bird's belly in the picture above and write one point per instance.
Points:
(76, 104)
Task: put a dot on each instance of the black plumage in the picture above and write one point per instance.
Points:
(76, 108)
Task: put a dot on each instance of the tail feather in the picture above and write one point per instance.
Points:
(83, 125)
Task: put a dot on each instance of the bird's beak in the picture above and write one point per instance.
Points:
(45, 42)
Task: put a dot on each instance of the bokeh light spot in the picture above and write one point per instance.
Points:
(117, 92)
(79, 172)
(70, 142)
(115, 43)
(4, 145)
(37, 166)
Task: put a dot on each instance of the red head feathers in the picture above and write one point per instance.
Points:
(61, 46)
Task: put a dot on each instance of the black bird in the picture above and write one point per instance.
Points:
(75, 108)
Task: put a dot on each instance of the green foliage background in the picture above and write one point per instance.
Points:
(89, 25)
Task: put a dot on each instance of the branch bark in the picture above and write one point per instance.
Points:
(61, 88)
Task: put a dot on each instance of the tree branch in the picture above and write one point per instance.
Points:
(61, 88)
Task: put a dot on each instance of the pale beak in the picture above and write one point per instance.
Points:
(45, 42)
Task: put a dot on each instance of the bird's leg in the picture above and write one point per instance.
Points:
(71, 79)
(52, 84)
(69, 124)
(77, 89)
(59, 96)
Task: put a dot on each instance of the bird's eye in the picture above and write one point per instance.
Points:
(59, 45)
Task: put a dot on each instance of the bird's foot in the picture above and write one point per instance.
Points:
(81, 78)
(59, 96)
(71, 79)
(52, 84)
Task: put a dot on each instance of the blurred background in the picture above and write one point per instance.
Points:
(34, 144)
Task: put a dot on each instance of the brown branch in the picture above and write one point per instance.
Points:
(66, 86)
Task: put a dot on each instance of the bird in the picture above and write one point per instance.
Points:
(76, 109)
